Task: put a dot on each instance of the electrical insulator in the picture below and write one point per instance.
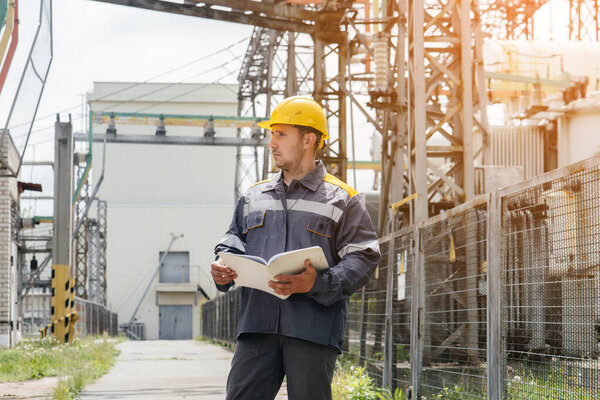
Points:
(160, 126)
(112, 129)
(256, 132)
(80, 158)
(209, 128)
(381, 58)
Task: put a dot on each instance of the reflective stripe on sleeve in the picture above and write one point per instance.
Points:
(352, 247)
(232, 241)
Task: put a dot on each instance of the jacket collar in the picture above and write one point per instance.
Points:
(312, 180)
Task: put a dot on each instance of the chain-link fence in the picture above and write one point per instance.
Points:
(454, 342)
(94, 319)
(36, 313)
(219, 317)
(497, 298)
(550, 310)
(27, 95)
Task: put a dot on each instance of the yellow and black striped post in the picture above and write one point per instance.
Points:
(61, 300)
(71, 307)
(65, 324)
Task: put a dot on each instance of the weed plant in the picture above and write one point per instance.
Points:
(351, 382)
(76, 364)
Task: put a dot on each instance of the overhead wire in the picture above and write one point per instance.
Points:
(205, 85)
(170, 85)
(167, 85)
(205, 57)
(217, 81)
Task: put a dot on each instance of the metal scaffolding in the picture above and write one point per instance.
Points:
(422, 66)
(81, 238)
(97, 255)
(583, 20)
(279, 65)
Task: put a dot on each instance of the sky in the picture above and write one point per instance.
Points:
(96, 41)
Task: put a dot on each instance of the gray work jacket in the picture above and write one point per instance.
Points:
(318, 210)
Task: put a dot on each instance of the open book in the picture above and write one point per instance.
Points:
(254, 272)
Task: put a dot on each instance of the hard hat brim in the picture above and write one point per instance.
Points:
(269, 123)
(265, 124)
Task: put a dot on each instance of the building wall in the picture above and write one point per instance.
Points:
(155, 190)
(10, 330)
(578, 136)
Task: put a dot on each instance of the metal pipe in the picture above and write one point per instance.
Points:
(173, 140)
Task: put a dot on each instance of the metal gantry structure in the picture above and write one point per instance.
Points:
(89, 239)
(423, 69)
(584, 21)
(81, 237)
(97, 255)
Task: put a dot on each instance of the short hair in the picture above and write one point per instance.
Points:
(309, 129)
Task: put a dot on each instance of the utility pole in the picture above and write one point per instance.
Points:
(63, 225)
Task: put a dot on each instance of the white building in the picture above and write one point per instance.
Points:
(153, 191)
(578, 136)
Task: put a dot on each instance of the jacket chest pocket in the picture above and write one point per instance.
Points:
(320, 225)
(255, 219)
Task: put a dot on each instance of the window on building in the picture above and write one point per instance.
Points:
(175, 267)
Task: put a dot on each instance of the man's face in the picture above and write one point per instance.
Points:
(287, 146)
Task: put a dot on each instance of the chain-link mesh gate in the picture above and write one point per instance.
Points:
(366, 321)
(454, 273)
(550, 312)
(403, 256)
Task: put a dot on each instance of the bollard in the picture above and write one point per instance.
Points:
(60, 300)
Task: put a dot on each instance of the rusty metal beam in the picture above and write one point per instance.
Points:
(273, 20)
(284, 10)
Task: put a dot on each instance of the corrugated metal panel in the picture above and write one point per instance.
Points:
(518, 146)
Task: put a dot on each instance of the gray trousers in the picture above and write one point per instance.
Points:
(262, 360)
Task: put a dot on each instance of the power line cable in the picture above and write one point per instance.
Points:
(217, 81)
(170, 85)
(167, 85)
(224, 49)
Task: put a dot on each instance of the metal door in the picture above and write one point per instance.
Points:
(175, 267)
(175, 322)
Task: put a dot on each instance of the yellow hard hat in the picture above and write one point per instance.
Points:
(301, 111)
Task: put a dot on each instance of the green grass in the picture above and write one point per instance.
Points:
(77, 364)
(351, 382)
(546, 382)
(526, 381)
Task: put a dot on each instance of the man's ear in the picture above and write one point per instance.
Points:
(310, 140)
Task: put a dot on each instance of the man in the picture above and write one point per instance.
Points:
(302, 206)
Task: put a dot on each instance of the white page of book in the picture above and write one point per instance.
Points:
(253, 274)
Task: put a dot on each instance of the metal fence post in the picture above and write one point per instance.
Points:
(417, 315)
(363, 326)
(495, 344)
(388, 341)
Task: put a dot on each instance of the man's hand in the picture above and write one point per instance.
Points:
(221, 273)
(300, 283)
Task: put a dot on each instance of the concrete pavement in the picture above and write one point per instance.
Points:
(166, 369)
